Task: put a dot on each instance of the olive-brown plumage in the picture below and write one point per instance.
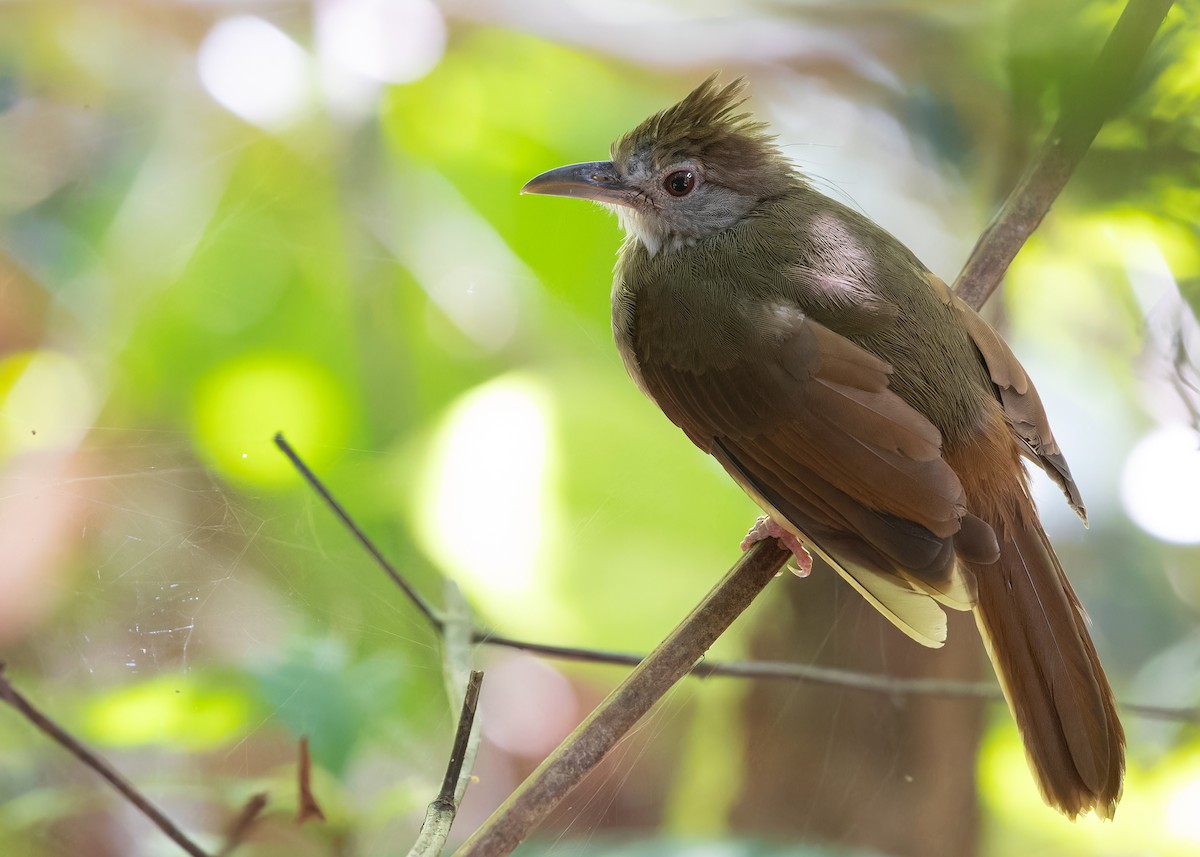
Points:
(865, 408)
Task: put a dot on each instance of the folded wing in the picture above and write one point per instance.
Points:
(810, 429)
(1018, 397)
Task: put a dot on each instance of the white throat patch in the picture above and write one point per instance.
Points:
(650, 233)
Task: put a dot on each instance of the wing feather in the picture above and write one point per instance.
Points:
(816, 436)
(1018, 397)
(913, 611)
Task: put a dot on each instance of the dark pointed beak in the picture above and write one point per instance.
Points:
(596, 181)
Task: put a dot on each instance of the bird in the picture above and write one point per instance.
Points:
(876, 419)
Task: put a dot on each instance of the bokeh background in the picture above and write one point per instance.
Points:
(219, 220)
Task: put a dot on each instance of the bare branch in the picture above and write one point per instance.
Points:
(1097, 94)
(415, 597)
(307, 808)
(583, 749)
(68, 742)
(456, 657)
(458, 753)
(439, 816)
(456, 668)
(244, 823)
(888, 685)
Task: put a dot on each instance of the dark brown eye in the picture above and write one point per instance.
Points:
(680, 182)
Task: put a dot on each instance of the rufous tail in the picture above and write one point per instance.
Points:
(1036, 635)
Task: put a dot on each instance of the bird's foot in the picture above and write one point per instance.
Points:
(765, 528)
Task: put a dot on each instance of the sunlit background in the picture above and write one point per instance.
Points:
(219, 220)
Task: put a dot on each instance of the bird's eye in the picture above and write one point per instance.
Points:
(680, 182)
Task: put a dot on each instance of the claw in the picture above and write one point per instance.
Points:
(765, 528)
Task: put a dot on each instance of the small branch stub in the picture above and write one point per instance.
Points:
(439, 816)
(307, 808)
(244, 823)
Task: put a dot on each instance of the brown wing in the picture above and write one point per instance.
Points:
(1022, 405)
(811, 431)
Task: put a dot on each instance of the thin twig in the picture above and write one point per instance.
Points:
(307, 807)
(456, 669)
(415, 597)
(779, 670)
(68, 742)
(439, 816)
(458, 753)
(888, 685)
(244, 823)
(583, 749)
(1085, 107)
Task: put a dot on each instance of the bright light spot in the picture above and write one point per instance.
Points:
(1160, 484)
(485, 504)
(254, 70)
(1182, 817)
(46, 400)
(627, 12)
(474, 290)
(480, 291)
(244, 402)
(393, 41)
(481, 303)
(174, 710)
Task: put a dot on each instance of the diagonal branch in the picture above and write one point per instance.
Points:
(1085, 107)
(244, 823)
(89, 758)
(457, 637)
(407, 588)
(439, 816)
(457, 631)
(583, 749)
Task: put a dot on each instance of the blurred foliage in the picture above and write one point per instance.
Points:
(181, 277)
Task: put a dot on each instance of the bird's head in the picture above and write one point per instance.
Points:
(688, 172)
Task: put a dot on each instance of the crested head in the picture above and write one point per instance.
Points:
(700, 167)
(708, 125)
(687, 173)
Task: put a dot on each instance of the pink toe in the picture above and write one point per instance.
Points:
(766, 528)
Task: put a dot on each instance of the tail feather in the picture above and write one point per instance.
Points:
(1036, 635)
